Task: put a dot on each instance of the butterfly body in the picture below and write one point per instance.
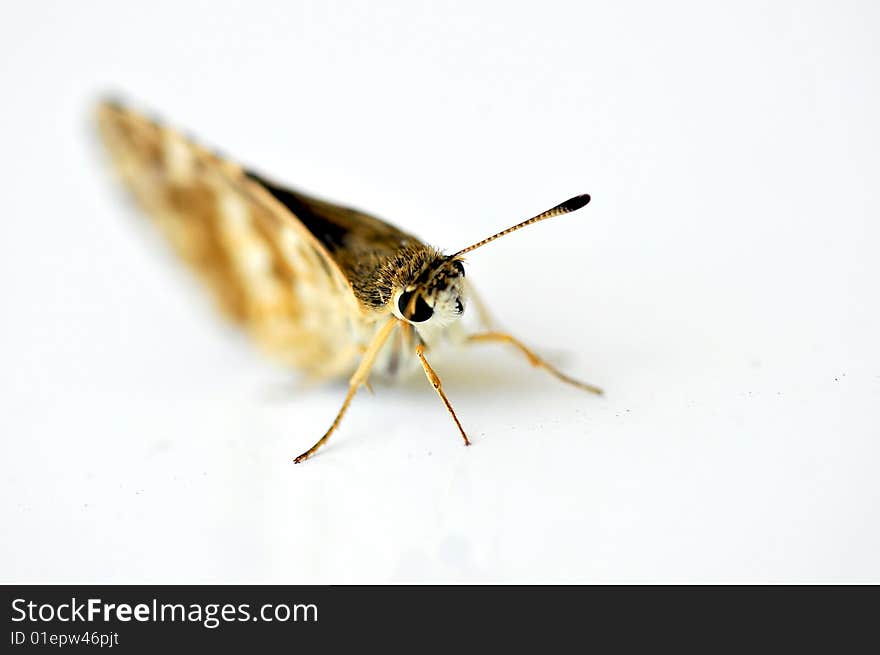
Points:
(330, 290)
(310, 281)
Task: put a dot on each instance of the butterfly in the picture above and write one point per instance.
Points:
(329, 290)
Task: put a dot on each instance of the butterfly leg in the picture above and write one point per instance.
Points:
(359, 378)
(434, 379)
(534, 360)
(483, 312)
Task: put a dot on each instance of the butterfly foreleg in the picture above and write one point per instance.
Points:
(534, 359)
(434, 379)
(360, 377)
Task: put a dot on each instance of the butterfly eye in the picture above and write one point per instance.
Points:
(458, 267)
(421, 312)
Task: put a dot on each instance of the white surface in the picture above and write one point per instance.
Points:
(722, 287)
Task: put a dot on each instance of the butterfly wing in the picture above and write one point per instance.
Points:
(369, 252)
(267, 270)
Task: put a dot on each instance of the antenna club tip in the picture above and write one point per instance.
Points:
(575, 203)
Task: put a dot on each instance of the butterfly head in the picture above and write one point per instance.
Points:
(435, 297)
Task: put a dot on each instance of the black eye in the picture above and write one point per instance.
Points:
(458, 267)
(422, 311)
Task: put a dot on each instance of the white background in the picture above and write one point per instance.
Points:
(722, 287)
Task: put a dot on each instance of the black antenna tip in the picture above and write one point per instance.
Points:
(577, 202)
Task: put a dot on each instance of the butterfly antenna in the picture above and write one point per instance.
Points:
(570, 205)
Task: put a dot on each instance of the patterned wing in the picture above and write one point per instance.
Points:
(266, 269)
(367, 249)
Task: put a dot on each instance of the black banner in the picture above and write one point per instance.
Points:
(154, 618)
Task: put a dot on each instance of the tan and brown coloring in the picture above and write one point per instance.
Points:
(329, 290)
